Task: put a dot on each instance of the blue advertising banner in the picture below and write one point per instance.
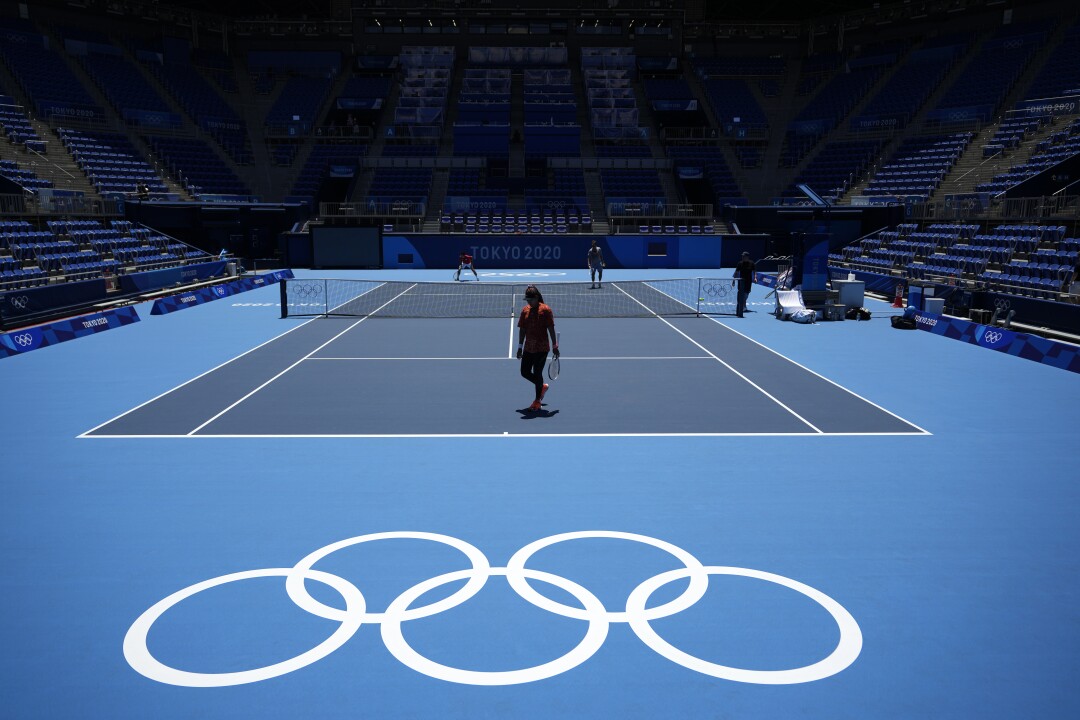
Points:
(547, 252)
(1064, 105)
(972, 202)
(57, 108)
(22, 341)
(151, 118)
(25, 302)
(172, 303)
(13, 37)
(465, 203)
(675, 105)
(769, 281)
(356, 103)
(1029, 347)
(218, 123)
(815, 261)
(958, 114)
(877, 122)
(155, 279)
(809, 127)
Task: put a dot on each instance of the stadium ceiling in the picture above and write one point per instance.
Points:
(779, 11)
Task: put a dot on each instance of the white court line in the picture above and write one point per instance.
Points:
(188, 382)
(200, 427)
(785, 357)
(502, 359)
(729, 367)
(531, 436)
(832, 382)
(709, 356)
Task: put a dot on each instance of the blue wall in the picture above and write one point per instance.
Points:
(554, 251)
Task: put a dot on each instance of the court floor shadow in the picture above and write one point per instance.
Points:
(527, 414)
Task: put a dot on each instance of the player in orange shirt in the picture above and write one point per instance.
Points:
(465, 262)
(535, 326)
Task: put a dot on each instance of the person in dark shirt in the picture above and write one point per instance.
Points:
(595, 261)
(744, 274)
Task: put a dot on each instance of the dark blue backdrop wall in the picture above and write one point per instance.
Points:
(559, 251)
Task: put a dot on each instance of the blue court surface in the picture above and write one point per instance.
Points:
(220, 513)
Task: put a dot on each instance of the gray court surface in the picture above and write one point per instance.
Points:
(408, 377)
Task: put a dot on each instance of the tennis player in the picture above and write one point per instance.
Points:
(595, 260)
(535, 326)
(465, 262)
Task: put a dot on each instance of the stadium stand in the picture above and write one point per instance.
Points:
(490, 127)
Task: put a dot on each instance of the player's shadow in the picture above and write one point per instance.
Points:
(527, 414)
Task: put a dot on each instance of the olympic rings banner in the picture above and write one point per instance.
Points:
(32, 338)
(1029, 347)
(172, 303)
(637, 614)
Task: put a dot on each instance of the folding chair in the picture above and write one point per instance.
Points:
(788, 302)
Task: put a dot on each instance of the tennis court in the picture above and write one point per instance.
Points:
(366, 525)
(642, 363)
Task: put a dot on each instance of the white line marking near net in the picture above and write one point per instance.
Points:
(505, 434)
(204, 374)
(701, 347)
(831, 382)
(230, 407)
(503, 359)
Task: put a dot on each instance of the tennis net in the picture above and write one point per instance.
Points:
(397, 299)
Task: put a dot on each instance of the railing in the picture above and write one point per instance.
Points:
(712, 136)
(327, 132)
(979, 167)
(401, 209)
(1063, 207)
(1049, 206)
(937, 127)
(672, 214)
(29, 204)
(47, 169)
(78, 122)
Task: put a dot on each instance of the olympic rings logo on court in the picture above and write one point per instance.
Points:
(23, 339)
(993, 337)
(637, 614)
(19, 301)
(306, 290)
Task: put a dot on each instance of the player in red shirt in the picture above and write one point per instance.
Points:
(535, 326)
(465, 262)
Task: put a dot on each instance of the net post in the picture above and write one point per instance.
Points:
(699, 296)
(326, 298)
(284, 297)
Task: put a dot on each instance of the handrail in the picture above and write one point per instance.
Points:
(52, 163)
(985, 160)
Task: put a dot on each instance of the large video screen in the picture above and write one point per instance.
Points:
(346, 247)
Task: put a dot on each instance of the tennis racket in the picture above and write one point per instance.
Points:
(554, 365)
